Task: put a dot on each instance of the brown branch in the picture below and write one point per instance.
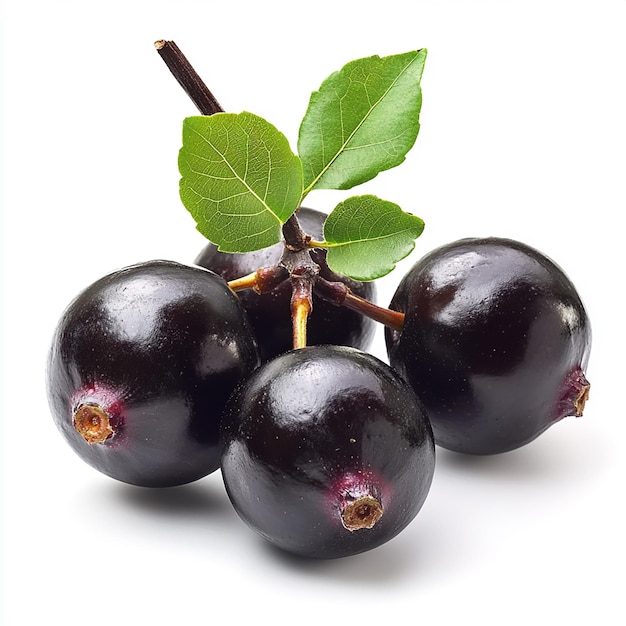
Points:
(187, 77)
(207, 104)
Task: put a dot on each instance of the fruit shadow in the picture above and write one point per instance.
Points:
(383, 567)
(191, 500)
(199, 506)
(549, 458)
(202, 511)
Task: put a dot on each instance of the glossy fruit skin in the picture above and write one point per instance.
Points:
(159, 346)
(307, 427)
(269, 313)
(495, 343)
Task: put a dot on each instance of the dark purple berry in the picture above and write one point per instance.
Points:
(326, 452)
(495, 343)
(270, 313)
(141, 365)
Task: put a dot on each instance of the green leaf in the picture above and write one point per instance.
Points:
(367, 236)
(240, 179)
(362, 121)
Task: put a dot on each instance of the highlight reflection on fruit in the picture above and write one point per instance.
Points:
(141, 365)
(326, 452)
(495, 342)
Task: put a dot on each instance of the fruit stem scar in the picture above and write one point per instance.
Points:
(93, 423)
(576, 389)
(581, 400)
(364, 512)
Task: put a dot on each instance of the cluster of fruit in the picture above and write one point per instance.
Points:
(162, 373)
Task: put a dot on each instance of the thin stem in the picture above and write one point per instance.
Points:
(245, 282)
(300, 317)
(187, 77)
(301, 306)
(392, 319)
(340, 294)
(264, 280)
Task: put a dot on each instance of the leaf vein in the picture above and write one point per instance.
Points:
(359, 125)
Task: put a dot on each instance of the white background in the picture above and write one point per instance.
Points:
(523, 135)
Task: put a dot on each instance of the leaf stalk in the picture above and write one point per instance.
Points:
(313, 243)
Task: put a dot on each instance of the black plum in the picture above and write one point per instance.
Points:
(269, 313)
(141, 365)
(326, 452)
(495, 342)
